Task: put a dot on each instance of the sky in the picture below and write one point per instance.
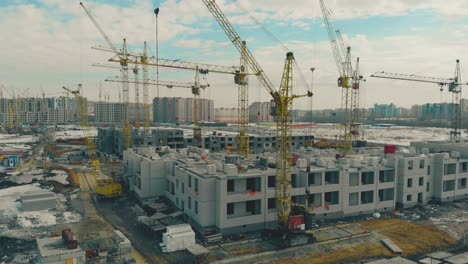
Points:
(46, 44)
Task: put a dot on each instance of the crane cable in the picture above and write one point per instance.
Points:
(272, 37)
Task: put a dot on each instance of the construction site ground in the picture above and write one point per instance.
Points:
(416, 231)
(342, 243)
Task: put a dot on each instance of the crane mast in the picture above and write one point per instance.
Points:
(123, 60)
(282, 103)
(146, 114)
(345, 81)
(356, 116)
(241, 78)
(454, 86)
(136, 111)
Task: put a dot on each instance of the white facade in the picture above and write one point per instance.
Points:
(226, 115)
(260, 112)
(228, 196)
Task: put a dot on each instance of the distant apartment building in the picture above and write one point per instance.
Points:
(416, 111)
(105, 112)
(53, 110)
(437, 111)
(260, 112)
(227, 115)
(177, 110)
(384, 111)
(228, 195)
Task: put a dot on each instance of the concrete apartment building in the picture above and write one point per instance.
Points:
(110, 140)
(53, 110)
(260, 112)
(225, 194)
(105, 112)
(177, 110)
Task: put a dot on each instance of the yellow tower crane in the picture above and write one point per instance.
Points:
(240, 78)
(454, 86)
(348, 81)
(123, 59)
(282, 102)
(105, 187)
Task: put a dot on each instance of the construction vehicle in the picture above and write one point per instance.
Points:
(106, 187)
(281, 108)
(454, 86)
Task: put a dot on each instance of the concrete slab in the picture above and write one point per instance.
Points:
(458, 259)
(392, 246)
(440, 255)
(429, 261)
(396, 260)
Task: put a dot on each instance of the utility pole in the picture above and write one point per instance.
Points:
(156, 12)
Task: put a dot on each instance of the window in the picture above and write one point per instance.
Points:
(190, 181)
(177, 184)
(230, 208)
(332, 177)
(421, 181)
(421, 164)
(196, 184)
(183, 188)
(172, 188)
(450, 169)
(332, 198)
(410, 183)
(314, 199)
(230, 185)
(353, 179)
(427, 187)
(196, 207)
(294, 181)
(271, 203)
(367, 178)
(367, 197)
(314, 179)
(448, 185)
(252, 207)
(410, 164)
(353, 199)
(189, 202)
(462, 183)
(386, 194)
(386, 176)
(272, 181)
(464, 167)
(428, 169)
(409, 197)
(253, 184)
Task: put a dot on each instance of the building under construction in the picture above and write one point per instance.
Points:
(111, 140)
(221, 192)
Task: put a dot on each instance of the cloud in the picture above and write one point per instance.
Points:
(48, 45)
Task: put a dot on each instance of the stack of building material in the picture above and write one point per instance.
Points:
(177, 237)
(125, 246)
(38, 200)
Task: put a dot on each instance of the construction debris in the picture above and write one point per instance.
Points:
(177, 237)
